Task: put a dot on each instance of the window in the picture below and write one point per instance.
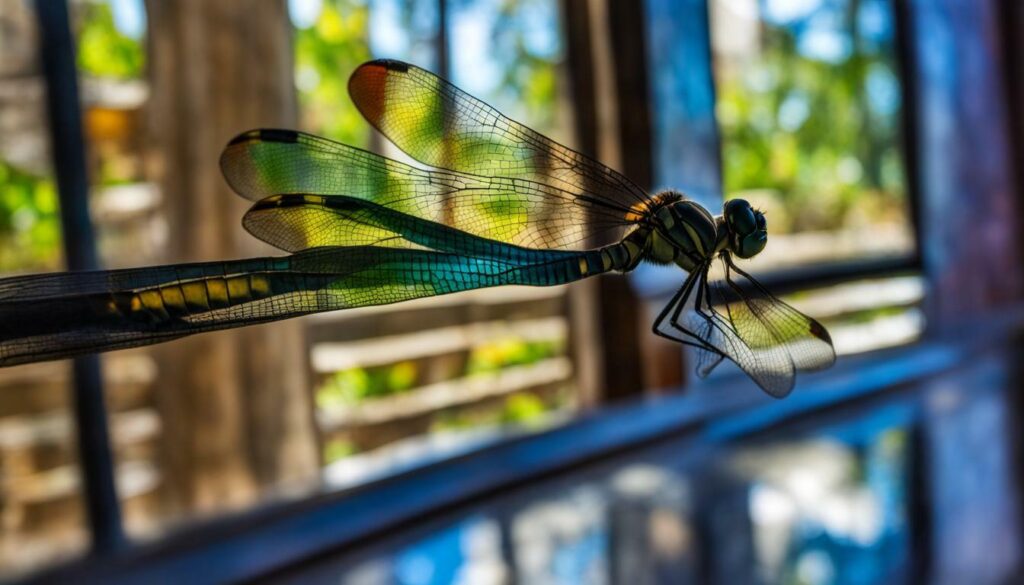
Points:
(42, 475)
(809, 107)
(439, 440)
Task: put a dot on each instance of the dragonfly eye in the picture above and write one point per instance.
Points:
(748, 229)
(740, 217)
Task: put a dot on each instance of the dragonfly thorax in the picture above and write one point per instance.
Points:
(685, 233)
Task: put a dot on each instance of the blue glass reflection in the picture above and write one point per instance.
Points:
(831, 509)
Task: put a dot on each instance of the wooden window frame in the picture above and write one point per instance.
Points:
(274, 539)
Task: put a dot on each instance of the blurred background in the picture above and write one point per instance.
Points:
(535, 435)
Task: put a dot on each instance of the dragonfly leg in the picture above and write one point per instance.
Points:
(676, 299)
(698, 340)
(667, 314)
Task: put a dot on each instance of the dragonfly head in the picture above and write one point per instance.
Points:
(746, 227)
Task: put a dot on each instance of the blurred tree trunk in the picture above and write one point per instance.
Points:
(236, 405)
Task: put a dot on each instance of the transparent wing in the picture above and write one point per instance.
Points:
(734, 316)
(767, 324)
(442, 126)
(300, 222)
(262, 163)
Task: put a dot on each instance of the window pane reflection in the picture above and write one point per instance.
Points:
(825, 511)
(829, 505)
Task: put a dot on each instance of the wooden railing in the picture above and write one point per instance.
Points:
(437, 343)
(40, 483)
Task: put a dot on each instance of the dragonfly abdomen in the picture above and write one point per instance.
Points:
(168, 302)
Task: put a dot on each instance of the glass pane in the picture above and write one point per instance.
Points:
(40, 491)
(406, 29)
(809, 107)
(130, 231)
(820, 510)
(829, 504)
(403, 385)
(111, 65)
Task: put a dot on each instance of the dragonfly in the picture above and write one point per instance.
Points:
(491, 202)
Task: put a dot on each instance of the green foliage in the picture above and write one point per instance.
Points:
(521, 409)
(355, 385)
(336, 449)
(528, 86)
(104, 51)
(502, 353)
(29, 222)
(325, 54)
(802, 137)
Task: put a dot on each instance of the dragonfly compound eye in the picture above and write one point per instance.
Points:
(747, 228)
(740, 217)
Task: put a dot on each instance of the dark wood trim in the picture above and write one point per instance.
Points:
(605, 333)
(627, 29)
(910, 112)
(57, 52)
(1011, 17)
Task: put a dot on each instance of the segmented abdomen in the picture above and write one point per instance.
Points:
(175, 301)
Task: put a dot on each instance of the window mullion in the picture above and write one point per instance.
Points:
(68, 144)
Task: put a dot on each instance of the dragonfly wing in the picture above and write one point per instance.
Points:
(707, 361)
(732, 316)
(440, 125)
(262, 163)
(62, 315)
(761, 319)
(766, 338)
(300, 222)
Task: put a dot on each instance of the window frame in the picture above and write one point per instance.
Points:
(63, 108)
(355, 518)
(359, 522)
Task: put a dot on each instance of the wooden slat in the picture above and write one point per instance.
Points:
(331, 357)
(448, 394)
(29, 432)
(458, 309)
(40, 388)
(133, 479)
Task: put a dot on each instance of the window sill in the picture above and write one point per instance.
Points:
(271, 539)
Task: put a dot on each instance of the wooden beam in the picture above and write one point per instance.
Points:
(605, 312)
(970, 212)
